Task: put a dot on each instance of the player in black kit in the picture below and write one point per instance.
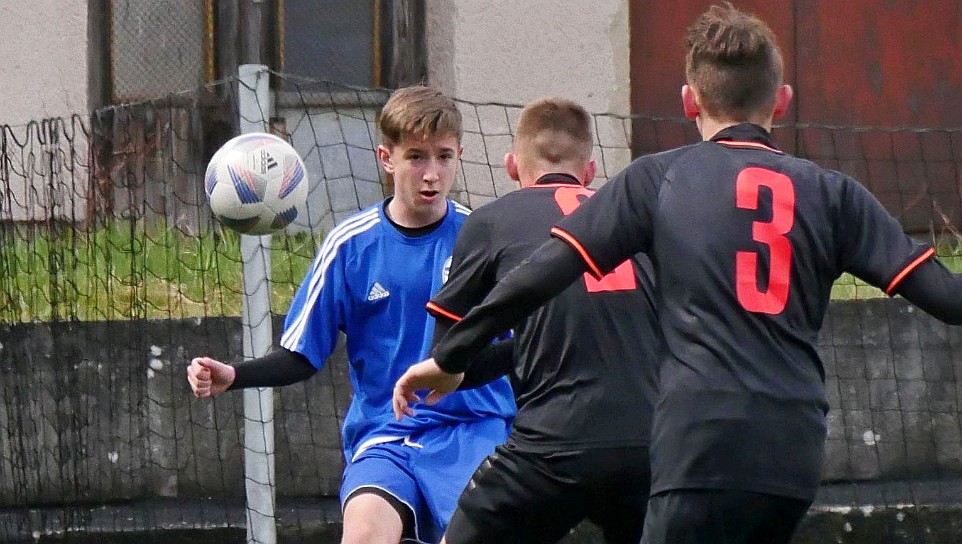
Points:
(746, 242)
(582, 365)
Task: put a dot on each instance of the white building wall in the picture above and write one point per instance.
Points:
(338, 152)
(512, 52)
(501, 51)
(490, 51)
(44, 75)
(44, 52)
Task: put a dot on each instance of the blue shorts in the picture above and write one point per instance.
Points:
(426, 471)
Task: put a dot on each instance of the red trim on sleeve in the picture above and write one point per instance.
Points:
(905, 271)
(436, 310)
(574, 243)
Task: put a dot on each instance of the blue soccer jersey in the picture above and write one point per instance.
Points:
(372, 282)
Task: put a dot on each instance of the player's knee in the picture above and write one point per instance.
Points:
(368, 532)
(369, 519)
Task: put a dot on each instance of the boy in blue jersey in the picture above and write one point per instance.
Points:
(371, 280)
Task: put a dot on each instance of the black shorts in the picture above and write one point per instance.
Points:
(526, 497)
(720, 516)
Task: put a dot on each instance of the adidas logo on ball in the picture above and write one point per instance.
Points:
(267, 161)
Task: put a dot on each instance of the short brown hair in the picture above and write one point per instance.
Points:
(733, 62)
(419, 111)
(554, 130)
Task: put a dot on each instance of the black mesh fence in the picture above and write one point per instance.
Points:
(113, 274)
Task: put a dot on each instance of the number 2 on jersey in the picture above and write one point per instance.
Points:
(622, 278)
(772, 234)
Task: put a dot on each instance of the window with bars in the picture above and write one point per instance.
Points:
(166, 46)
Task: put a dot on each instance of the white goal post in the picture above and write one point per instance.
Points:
(259, 476)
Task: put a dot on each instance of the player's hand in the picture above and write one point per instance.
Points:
(424, 375)
(209, 377)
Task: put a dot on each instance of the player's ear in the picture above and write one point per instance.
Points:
(783, 98)
(511, 165)
(591, 168)
(384, 156)
(689, 102)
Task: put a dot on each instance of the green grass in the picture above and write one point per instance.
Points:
(126, 271)
(848, 287)
(123, 271)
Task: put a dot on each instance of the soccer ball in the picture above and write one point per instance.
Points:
(256, 183)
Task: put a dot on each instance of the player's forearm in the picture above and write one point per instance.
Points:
(535, 281)
(489, 364)
(441, 327)
(278, 368)
(936, 290)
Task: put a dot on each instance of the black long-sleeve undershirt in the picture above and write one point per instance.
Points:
(936, 290)
(276, 369)
(547, 272)
(284, 367)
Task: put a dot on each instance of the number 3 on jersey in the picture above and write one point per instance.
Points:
(622, 278)
(772, 234)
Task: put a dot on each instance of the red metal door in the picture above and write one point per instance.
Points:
(894, 66)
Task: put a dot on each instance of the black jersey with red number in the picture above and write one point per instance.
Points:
(746, 242)
(583, 374)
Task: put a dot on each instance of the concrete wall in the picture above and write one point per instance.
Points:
(102, 411)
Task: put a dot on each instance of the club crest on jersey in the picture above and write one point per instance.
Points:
(446, 270)
(377, 292)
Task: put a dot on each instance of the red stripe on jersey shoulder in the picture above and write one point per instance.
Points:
(753, 145)
(436, 310)
(574, 243)
(553, 185)
(905, 271)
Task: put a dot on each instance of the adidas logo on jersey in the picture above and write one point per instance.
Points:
(377, 292)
